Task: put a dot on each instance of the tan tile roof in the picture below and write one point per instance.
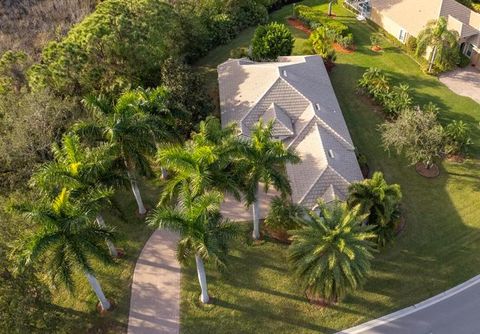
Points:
(297, 94)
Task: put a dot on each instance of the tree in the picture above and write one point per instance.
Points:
(443, 44)
(263, 160)
(86, 173)
(330, 255)
(381, 201)
(65, 240)
(204, 163)
(271, 41)
(204, 234)
(131, 132)
(415, 133)
(111, 50)
(330, 5)
(458, 138)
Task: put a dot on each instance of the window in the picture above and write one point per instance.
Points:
(468, 51)
(403, 35)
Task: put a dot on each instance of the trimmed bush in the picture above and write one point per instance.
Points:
(346, 41)
(463, 60)
(271, 41)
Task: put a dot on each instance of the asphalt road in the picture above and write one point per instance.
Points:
(456, 311)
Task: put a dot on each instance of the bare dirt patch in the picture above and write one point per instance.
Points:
(297, 24)
(431, 172)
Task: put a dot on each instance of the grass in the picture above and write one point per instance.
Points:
(438, 249)
(116, 280)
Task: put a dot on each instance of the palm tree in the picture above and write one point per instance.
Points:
(204, 234)
(330, 5)
(263, 160)
(65, 241)
(153, 101)
(444, 43)
(132, 134)
(381, 201)
(331, 254)
(205, 162)
(86, 173)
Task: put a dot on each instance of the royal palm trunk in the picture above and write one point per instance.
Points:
(111, 246)
(256, 216)
(202, 279)
(98, 291)
(136, 193)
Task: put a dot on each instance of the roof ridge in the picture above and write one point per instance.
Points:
(301, 132)
(258, 101)
(335, 134)
(279, 120)
(328, 167)
(313, 184)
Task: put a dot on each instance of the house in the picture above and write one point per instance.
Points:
(404, 18)
(295, 94)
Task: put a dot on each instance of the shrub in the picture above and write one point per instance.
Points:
(458, 138)
(346, 41)
(375, 39)
(271, 41)
(397, 100)
(340, 29)
(283, 215)
(321, 42)
(375, 83)
(463, 60)
(411, 44)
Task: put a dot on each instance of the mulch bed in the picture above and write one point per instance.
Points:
(341, 49)
(431, 172)
(279, 235)
(456, 158)
(320, 302)
(297, 24)
(376, 48)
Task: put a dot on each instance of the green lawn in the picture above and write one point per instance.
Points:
(438, 249)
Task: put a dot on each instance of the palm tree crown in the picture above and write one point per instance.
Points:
(331, 253)
(66, 236)
(381, 201)
(204, 234)
(443, 41)
(263, 159)
(205, 162)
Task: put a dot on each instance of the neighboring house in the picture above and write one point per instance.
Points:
(403, 18)
(296, 94)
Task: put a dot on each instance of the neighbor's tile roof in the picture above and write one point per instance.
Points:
(297, 94)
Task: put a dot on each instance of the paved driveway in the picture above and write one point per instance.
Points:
(455, 311)
(464, 81)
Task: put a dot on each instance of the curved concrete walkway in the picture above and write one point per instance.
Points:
(155, 298)
(455, 311)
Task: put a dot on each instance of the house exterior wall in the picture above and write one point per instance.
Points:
(392, 27)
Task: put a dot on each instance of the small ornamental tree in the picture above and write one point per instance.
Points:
(415, 133)
(271, 41)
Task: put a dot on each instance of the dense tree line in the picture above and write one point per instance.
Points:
(122, 45)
